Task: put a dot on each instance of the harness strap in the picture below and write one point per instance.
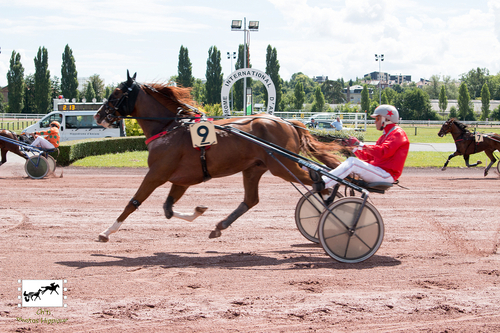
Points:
(154, 137)
(203, 159)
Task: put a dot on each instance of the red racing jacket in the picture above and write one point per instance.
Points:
(390, 151)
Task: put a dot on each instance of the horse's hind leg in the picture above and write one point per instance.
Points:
(466, 158)
(4, 156)
(176, 192)
(251, 178)
(492, 161)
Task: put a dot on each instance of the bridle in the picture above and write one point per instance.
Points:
(124, 105)
(445, 130)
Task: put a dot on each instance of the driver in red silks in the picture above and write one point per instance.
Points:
(382, 162)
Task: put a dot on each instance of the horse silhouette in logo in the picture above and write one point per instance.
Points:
(29, 296)
(53, 288)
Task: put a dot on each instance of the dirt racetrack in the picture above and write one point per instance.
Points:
(438, 269)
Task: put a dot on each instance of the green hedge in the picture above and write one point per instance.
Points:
(71, 151)
(327, 136)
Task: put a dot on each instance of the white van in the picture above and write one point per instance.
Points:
(77, 122)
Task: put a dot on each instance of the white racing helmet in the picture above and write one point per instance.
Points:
(389, 114)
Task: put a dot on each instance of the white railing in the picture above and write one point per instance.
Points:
(353, 120)
(18, 121)
(9, 116)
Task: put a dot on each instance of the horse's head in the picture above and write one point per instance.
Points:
(120, 103)
(446, 128)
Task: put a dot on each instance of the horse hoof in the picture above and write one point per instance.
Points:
(215, 233)
(103, 239)
(201, 209)
(442, 169)
(479, 162)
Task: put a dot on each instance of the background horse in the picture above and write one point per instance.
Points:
(172, 156)
(7, 146)
(466, 144)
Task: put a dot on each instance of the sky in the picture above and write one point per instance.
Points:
(335, 38)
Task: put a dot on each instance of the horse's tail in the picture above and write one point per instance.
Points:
(312, 148)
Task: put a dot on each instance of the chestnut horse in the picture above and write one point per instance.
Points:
(163, 113)
(466, 144)
(8, 146)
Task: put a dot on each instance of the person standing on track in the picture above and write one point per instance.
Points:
(51, 139)
(382, 162)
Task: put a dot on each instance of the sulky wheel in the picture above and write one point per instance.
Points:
(308, 212)
(52, 163)
(498, 166)
(344, 242)
(36, 167)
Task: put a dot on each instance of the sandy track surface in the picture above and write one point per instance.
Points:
(438, 269)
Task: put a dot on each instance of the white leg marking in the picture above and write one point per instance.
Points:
(190, 217)
(114, 228)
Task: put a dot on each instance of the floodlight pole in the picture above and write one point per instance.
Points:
(253, 27)
(244, 65)
(379, 58)
(232, 56)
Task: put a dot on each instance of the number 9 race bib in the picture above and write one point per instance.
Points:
(203, 134)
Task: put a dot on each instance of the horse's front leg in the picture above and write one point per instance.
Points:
(448, 160)
(176, 192)
(148, 185)
(251, 178)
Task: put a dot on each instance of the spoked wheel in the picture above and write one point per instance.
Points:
(36, 167)
(345, 242)
(307, 214)
(498, 167)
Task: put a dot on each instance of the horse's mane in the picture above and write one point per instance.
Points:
(460, 125)
(180, 96)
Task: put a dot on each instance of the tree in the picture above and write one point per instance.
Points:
(299, 95)
(89, 92)
(451, 87)
(443, 100)
(214, 76)
(319, 100)
(198, 91)
(272, 69)
(415, 104)
(390, 94)
(55, 88)
(365, 99)
(453, 112)
(384, 99)
(184, 69)
(333, 91)
(15, 80)
(475, 80)
(463, 102)
(98, 86)
(2, 104)
(433, 88)
(69, 75)
(42, 81)
(485, 101)
(29, 105)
